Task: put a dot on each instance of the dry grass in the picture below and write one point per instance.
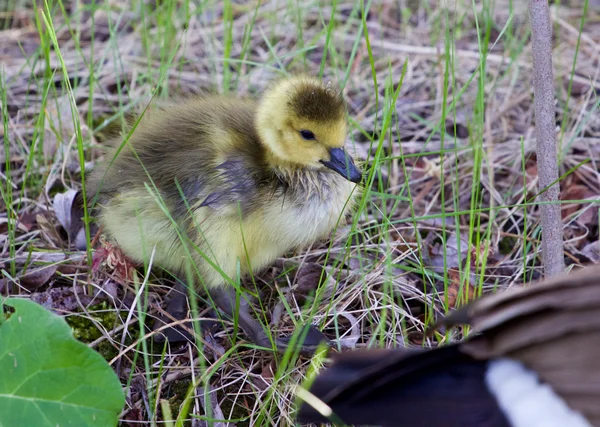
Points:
(451, 210)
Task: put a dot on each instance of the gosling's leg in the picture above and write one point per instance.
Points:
(177, 308)
(225, 300)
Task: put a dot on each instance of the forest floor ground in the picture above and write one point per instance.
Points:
(441, 119)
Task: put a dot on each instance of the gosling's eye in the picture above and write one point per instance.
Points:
(307, 135)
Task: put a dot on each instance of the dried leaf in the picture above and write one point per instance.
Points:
(67, 213)
(268, 371)
(350, 340)
(579, 86)
(212, 346)
(81, 240)
(579, 192)
(216, 410)
(358, 263)
(45, 257)
(37, 277)
(419, 167)
(27, 221)
(531, 171)
(109, 288)
(454, 290)
(592, 251)
(277, 313)
(134, 415)
(48, 229)
(308, 278)
(23, 226)
(265, 379)
(63, 203)
(434, 253)
(416, 338)
(63, 299)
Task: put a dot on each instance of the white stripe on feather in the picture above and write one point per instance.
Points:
(526, 401)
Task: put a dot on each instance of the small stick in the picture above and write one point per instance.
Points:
(545, 135)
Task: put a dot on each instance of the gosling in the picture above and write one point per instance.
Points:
(223, 182)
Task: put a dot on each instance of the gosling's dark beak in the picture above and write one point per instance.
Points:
(342, 163)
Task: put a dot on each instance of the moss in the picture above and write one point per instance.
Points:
(238, 413)
(176, 394)
(177, 391)
(507, 245)
(86, 330)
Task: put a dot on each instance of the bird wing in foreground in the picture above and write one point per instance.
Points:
(526, 339)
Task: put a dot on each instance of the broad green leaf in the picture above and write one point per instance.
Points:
(47, 378)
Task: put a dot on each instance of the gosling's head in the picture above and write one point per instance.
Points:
(302, 123)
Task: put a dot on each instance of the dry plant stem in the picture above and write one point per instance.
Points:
(543, 88)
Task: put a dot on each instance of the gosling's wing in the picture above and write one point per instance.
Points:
(200, 153)
(389, 388)
(235, 187)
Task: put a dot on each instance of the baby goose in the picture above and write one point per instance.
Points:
(229, 182)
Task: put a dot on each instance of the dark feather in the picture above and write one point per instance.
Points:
(442, 387)
(552, 327)
(238, 186)
(317, 104)
(170, 146)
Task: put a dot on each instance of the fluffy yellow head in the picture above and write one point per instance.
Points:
(302, 123)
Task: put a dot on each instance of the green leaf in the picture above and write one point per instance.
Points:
(47, 378)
